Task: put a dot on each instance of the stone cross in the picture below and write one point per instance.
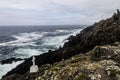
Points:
(33, 60)
(33, 68)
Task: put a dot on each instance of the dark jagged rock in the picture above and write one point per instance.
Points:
(118, 11)
(51, 57)
(99, 53)
(104, 32)
(101, 33)
(10, 60)
(106, 53)
(79, 67)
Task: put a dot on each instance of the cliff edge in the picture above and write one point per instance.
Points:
(102, 33)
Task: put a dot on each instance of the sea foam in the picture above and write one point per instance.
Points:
(34, 43)
(7, 67)
(23, 39)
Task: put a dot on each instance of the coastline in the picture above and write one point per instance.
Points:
(105, 32)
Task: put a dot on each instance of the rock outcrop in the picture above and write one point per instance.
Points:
(101, 33)
(80, 67)
(10, 60)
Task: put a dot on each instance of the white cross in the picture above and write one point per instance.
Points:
(33, 68)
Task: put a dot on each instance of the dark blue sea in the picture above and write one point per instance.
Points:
(26, 41)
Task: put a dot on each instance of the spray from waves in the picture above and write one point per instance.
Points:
(23, 39)
(7, 67)
(57, 41)
(46, 43)
(25, 53)
(36, 43)
(64, 31)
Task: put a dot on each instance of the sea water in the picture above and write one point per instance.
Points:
(25, 41)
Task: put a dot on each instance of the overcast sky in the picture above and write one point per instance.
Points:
(55, 12)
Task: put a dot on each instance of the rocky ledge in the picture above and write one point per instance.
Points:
(101, 40)
(101, 63)
(10, 60)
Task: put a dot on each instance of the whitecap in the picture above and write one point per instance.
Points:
(60, 40)
(25, 53)
(28, 39)
(62, 31)
(7, 67)
(23, 39)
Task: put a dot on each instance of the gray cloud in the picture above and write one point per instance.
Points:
(45, 12)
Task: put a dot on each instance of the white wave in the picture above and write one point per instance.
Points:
(62, 30)
(74, 31)
(7, 67)
(23, 39)
(60, 40)
(54, 41)
(27, 39)
(25, 53)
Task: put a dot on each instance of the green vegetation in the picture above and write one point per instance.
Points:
(55, 68)
(82, 77)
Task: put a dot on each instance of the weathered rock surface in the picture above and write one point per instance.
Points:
(10, 60)
(99, 34)
(80, 67)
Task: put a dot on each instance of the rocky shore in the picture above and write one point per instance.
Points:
(10, 60)
(100, 63)
(96, 56)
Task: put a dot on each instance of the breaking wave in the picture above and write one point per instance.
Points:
(35, 43)
(7, 67)
(25, 45)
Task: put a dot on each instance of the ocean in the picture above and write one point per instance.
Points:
(26, 41)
